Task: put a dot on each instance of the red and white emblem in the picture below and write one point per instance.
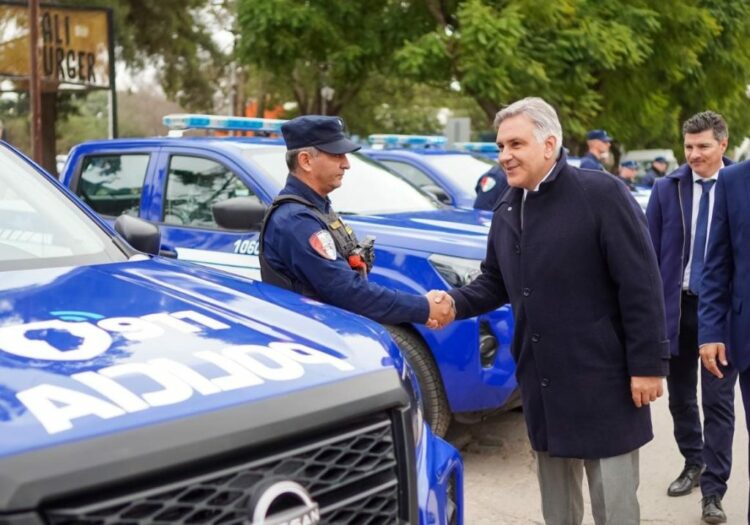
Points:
(487, 183)
(322, 242)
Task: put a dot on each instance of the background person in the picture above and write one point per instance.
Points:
(657, 170)
(588, 362)
(627, 172)
(679, 236)
(599, 143)
(723, 314)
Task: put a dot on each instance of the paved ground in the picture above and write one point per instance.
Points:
(501, 489)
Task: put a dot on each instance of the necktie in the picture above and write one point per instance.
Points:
(701, 234)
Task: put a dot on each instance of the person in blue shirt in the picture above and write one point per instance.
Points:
(599, 143)
(306, 247)
(490, 187)
(657, 170)
(627, 172)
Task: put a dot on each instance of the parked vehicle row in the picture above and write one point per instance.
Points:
(139, 389)
(208, 195)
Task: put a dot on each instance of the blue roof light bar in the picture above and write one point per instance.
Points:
(479, 147)
(221, 122)
(407, 140)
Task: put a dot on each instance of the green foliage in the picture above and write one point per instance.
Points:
(86, 120)
(308, 45)
(635, 67)
(171, 35)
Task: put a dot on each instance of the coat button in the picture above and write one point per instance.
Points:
(545, 382)
(517, 248)
(535, 338)
(526, 292)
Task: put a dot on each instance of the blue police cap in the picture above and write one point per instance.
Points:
(325, 133)
(661, 159)
(598, 134)
(629, 164)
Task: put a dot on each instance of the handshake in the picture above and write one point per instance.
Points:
(442, 309)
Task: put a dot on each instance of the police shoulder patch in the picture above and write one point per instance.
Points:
(487, 183)
(322, 242)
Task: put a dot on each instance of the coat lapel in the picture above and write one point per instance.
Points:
(509, 209)
(683, 177)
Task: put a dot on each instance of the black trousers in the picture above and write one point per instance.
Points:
(717, 400)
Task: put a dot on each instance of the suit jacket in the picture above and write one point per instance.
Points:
(669, 214)
(586, 295)
(724, 303)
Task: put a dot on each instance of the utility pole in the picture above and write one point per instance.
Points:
(35, 82)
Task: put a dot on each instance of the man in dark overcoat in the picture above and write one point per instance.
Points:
(569, 249)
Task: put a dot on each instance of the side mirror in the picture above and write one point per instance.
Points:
(239, 213)
(438, 193)
(141, 235)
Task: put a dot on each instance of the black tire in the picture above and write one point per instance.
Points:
(434, 402)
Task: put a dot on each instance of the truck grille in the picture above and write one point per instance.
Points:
(352, 475)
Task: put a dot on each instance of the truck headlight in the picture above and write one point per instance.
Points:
(457, 271)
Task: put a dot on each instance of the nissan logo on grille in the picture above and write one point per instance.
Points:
(298, 507)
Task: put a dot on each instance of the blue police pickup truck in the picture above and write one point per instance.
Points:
(450, 175)
(209, 195)
(140, 390)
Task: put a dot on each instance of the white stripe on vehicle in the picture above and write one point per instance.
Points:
(243, 265)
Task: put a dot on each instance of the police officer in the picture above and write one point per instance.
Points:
(658, 169)
(489, 187)
(306, 247)
(627, 172)
(599, 143)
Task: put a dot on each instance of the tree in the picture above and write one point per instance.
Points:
(635, 67)
(316, 44)
(389, 103)
(174, 36)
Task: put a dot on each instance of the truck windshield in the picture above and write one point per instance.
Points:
(463, 170)
(40, 227)
(368, 187)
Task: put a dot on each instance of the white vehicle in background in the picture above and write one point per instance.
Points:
(644, 157)
(742, 152)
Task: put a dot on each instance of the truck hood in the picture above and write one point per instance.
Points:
(94, 350)
(448, 231)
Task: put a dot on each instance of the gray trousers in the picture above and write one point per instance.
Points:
(613, 483)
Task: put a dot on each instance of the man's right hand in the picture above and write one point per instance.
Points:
(711, 353)
(442, 309)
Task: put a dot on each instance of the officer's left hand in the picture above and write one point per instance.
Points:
(646, 389)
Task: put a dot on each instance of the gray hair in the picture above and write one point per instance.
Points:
(704, 121)
(541, 114)
(292, 156)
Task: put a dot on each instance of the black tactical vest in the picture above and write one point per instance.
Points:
(343, 237)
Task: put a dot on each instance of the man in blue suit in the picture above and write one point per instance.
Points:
(724, 307)
(678, 219)
(599, 143)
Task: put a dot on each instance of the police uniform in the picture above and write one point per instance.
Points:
(490, 187)
(589, 160)
(633, 165)
(307, 248)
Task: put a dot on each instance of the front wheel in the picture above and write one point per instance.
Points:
(434, 402)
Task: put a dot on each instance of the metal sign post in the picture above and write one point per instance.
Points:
(35, 82)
